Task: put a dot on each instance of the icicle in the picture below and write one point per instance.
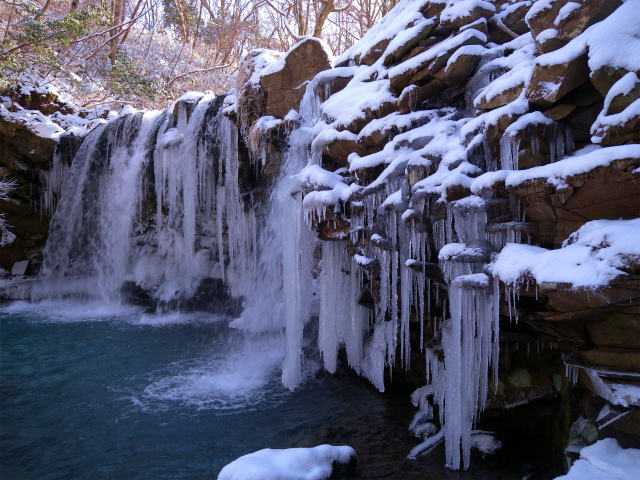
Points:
(354, 329)
(52, 181)
(331, 302)
(509, 148)
(405, 295)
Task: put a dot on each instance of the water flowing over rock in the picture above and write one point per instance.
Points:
(455, 202)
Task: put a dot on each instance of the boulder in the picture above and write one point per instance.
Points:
(617, 329)
(514, 20)
(374, 53)
(605, 77)
(460, 69)
(422, 32)
(453, 20)
(568, 19)
(621, 101)
(285, 88)
(339, 150)
(613, 359)
(433, 9)
(500, 100)
(549, 83)
(432, 60)
(23, 146)
(542, 18)
(211, 295)
(575, 21)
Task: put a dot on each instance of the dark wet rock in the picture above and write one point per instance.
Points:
(521, 385)
(617, 329)
(211, 295)
(22, 146)
(343, 470)
(133, 294)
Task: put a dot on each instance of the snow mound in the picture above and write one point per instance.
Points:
(289, 464)
(605, 460)
(613, 42)
(591, 257)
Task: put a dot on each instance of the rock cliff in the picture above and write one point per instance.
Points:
(489, 147)
(473, 179)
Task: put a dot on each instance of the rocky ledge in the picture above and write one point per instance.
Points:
(495, 138)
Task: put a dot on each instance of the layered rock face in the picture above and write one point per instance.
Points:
(479, 163)
(473, 183)
(31, 130)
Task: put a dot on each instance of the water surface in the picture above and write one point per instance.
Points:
(109, 392)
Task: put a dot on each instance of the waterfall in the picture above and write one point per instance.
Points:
(91, 229)
(160, 199)
(104, 231)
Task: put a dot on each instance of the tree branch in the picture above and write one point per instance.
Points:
(201, 70)
(286, 23)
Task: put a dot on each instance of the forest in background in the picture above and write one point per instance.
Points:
(148, 52)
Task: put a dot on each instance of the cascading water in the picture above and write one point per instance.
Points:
(91, 229)
(205, 225)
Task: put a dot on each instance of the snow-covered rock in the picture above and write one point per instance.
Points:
(315, 463)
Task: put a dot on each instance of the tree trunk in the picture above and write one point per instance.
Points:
(117, 14)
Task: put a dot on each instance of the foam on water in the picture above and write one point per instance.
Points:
(58, 311)
(72, 311)
(243, 375)
(235, 370)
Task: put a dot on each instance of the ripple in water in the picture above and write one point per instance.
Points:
(244, 375)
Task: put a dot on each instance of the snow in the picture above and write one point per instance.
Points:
(395, 119)
(613, 42)
(288, 464)
(279, 61)
(230, 103)
(267, 123)
(591, 257)
(405, 13)
(566, 11)
(261, 59)
(557, 173)
(327, 188)
(349, 104)
(462, 8)
(537, 8)
(524, 121)
(485, 443)
(394, 199)
(362, 260)
(616, 240)
(38, 123)
(624, 86)
(449, 45)
(605, 460)
(575, 265)
(453, 250)
(546, 35)
(127, 110)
